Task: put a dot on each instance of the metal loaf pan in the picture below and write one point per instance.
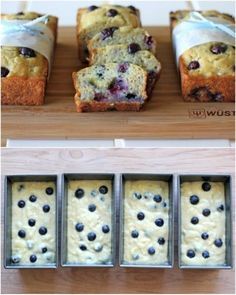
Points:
(158, 177)
(8, 180)
(227, 180)
(87, 176)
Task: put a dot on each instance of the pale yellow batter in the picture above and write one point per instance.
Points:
(33, 242)
(136, 249)
(98, 251)
(213, 224)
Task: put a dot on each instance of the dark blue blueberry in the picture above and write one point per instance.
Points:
(151, 251)
(206, 212)
(32, 198)
(206, 186)
(194, 199)
(205, 254)
(79, 193)
(194, 220)
(49, 190)
(138, 196)
(31, 222)
(134, 234)
(131, 95)
(112, 12)
(140, 216)
(44, 249)
(105, 229)
(4, 72)
(157, 198)
(220, 208)
(92, 8)
(159, 222)
(43, 230)
(164, 204)
(190, 253)
(21, 204)
(218, 243)
(133, 48)
(46, 208)
(103, 189)
(108, 32)
(83, 248)
(79, 227)
(205, 236)
(91, 236)
(193, 65)
(161, 241)
(27, 52)
(219, 48)
(21, 233)
(92, 208)
(33, 258)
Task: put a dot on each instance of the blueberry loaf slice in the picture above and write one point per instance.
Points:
(94, 19)
(111, 86)
(126, 54)
(207, 71)
(23, 70)
(123, 35)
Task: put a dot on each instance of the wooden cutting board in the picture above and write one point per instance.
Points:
(165, 116)
(118, 280)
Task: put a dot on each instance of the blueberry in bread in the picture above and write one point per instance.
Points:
(207, 70)
(126, 54)
(123, 35)
(94, 19)
(112, 86)
(23, 70)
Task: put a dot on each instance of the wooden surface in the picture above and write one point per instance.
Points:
(165, 116)
(118, 280)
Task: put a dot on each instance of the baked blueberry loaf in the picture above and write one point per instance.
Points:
(33, 223)
(123, 35)
(23, 70)
(203, 223)
(207, 71)
(94, 19)
(111, 86)
(89, 226)
(146, 222)
(133, 54)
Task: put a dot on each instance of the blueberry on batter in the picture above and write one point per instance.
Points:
(49, 190)
(161, 241)
(157, 198)
(33, 258)
(21, 233)
(46, 208)
(205, 254)
(79, 227)
(151, 251)
(79, 193)
(91, 236)
(92, 208)
(103, 189)
(140, 216)
(21, 204)
(159, 222)
(206, 186)
(205, 236)
(43, 230)
(194, 200)
(83, 248)
(137, 196)
(31, 222)
(190, 253)
(220, 208)
(44, 249)
(206, 212)
(32, 198)
(218, 243)
(134, 234)
(194, 220)
(105, 229)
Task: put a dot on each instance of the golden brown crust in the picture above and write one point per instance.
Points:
(224, 86)
(23, 91)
